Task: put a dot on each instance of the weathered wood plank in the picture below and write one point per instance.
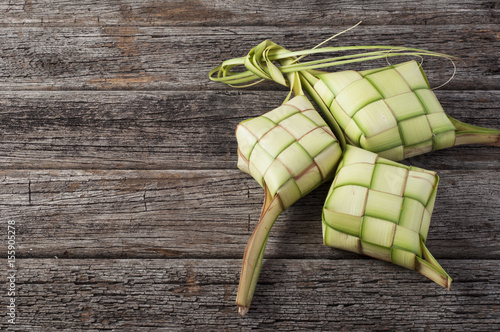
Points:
(238, 12)
(102, 175)
(182, 295)
(208, 214)
(179, 58)
(177, 130)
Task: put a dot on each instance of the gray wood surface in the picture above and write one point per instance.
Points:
(211, 213)
(118, 166)
(293, 294)
(179, 58)
(176, 130)
(239, 12)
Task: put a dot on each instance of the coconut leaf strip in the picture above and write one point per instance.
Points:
(254, 252)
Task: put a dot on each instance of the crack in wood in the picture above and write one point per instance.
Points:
(29, 192)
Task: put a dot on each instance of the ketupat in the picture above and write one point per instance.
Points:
(380, 208)
(392, 111)
(289, 151)
(396, 239)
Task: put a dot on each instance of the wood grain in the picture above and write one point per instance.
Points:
(186, 295)
(178, 58)
(177, 130)
(238, 12)
(118, 166)
(207, 214)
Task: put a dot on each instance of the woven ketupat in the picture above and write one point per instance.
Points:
(382, 209)
(291, 149)
(390, 111)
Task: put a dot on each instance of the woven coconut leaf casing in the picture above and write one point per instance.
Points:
(375, 206)
(289, 149)
(390, 111)
(380, 208)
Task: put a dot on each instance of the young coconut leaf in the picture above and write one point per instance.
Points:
(392, 111)
(380, 208)
(260, 66)
(289, 151)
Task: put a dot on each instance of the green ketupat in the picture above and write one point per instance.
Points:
(375, 206)
(380, 208)
(392, 111)
(289, 151)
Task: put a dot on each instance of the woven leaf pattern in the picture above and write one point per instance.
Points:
(289, 149)
(379, 208)
(375, 206)
(390, 111)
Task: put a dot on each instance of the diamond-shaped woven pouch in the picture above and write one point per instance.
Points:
(380, 208)
(390, 111)
(290, 149)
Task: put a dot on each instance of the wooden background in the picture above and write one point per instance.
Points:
(118, 167)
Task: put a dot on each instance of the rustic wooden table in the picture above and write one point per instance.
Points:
(118, 171)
